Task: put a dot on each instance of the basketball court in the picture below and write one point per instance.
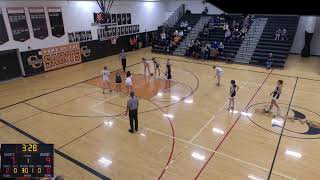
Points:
(185, 131)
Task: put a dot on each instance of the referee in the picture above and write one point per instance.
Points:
(123, 59)
(132, 107)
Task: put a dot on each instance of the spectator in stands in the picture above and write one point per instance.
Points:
(227, 35)
(163, 35)
(230, 58)
(181, 34)
(243, 32)
(204, 51)
(220, 48)
(182, 24)
(176, 33)
(190, 48)
(269, 61)
(236, 35)
(225, 27)
(214, 45)
(278, 34)
(205, 11)
(284, 35)
(213, 53)
(237, 26)
(205, 32)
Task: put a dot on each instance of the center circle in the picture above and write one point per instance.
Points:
(301, 123)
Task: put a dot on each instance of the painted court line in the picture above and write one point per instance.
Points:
(210, 150)
(232, 126)
(222, 154)
(101, 102)
(213, 117)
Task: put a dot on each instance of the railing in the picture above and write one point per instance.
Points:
(174, 18)
(250, 38)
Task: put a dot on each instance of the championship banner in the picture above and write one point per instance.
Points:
(3, 30)
(61, 56)
(18, 23)
(39, 23)
(56, 21)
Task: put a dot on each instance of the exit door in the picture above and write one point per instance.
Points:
(9, 65)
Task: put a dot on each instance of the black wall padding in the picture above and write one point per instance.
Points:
(307, 41)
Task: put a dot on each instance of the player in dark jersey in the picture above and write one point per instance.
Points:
(275, 96)
(233, 91)
(168, 74)
(156, 65)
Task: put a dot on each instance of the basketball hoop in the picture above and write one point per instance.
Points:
(113, 39)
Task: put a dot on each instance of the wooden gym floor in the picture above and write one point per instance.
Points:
(185, 132)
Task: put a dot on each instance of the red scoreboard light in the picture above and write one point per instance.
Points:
(26, 160)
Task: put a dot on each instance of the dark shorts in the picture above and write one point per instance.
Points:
(169, 76)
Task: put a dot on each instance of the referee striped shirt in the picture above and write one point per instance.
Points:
(133, 103)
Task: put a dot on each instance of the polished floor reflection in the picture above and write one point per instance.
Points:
(185, 131)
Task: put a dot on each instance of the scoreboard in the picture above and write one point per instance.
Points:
(26, 160)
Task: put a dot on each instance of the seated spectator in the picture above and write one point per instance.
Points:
(213, 54)
(176, 40)
(220, 48)
(269, 61)
(190, 48)
(230, 58)
(243, 32)
(181, 33)
(278, 34)
(215, 45)
(176, 33)
(205, 32)
(284, 35)
(225, 27)
(236, 35)
(237, 26)
(163, 35)
(182, 24)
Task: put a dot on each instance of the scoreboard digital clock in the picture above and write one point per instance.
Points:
(26, 160)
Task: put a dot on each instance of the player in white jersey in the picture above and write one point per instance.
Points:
(218, 74)
(146, 64)
(105, 77)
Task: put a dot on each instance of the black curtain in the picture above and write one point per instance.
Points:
(306, 49)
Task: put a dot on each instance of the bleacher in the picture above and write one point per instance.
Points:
(192, 19)
(218, 35)
(279, 48)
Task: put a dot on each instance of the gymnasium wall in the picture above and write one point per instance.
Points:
(78, 16)
(195, 6)
(298, 43)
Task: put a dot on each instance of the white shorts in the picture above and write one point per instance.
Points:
(105, 80)
(128, 83)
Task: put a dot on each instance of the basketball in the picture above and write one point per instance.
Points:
(151, 74)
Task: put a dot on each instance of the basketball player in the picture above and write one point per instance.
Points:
(168, 74)
(218, 74)
(275, 95)
(128, 81)
(233, 90)
(146, 65)
(156, 65)
(118, 81)
(123, 59)
(105, 76)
